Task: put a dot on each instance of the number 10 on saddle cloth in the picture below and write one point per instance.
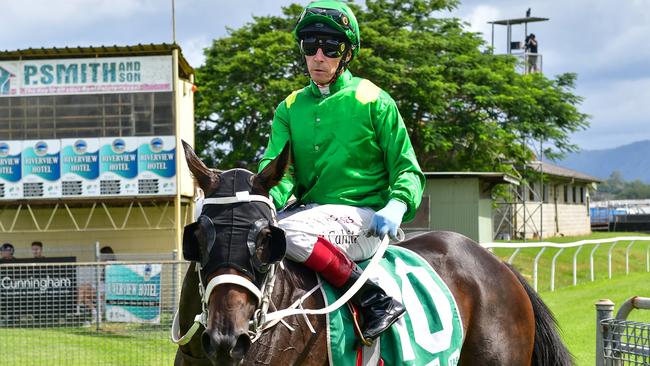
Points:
(429, 334)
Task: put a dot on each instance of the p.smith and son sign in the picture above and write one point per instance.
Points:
(86, 76)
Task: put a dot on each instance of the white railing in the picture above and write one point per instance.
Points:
(530, 62)
(579, 244)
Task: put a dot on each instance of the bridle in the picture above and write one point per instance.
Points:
(261, 320)
(262, 294)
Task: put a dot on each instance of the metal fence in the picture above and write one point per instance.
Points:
(621, 342)
(94, 313)
(593, 245)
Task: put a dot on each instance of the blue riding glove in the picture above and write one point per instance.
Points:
(387, 220)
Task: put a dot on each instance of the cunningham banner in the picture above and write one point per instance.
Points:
(86, 76)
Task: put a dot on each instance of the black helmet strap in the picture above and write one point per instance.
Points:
(342, 64)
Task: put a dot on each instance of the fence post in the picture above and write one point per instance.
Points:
(575, 265)
(98, 300)
(604, 310)
(512, 257)
(535, 265)
(609, 260)
(553, 268)
(591, 262)
(627, 258)
(175, 277)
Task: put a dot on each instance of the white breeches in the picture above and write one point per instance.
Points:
(339, 224)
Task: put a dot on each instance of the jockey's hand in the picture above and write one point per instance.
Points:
(387, 220)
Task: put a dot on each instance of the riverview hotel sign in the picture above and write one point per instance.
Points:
(99, 166)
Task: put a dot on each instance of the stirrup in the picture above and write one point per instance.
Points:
(357, 327)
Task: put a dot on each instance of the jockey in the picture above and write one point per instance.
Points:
(353, 165)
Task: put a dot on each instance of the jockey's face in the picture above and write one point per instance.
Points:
(322, 68)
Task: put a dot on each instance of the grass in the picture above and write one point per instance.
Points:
(576, 314)
(85, 346)
(574, 306)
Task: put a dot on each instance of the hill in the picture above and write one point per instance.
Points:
(631, 160)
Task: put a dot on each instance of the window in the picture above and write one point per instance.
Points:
(95, 115)
(582, 194)
(566, 193)
(573, 193)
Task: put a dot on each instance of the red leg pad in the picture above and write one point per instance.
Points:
(330, 262)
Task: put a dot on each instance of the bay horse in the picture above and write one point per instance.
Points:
(504, 321)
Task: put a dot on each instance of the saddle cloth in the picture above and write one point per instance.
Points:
(429, 334)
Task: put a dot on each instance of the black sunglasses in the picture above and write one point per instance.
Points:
(332, 48)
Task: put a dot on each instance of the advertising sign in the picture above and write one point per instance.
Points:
(88, 167)
(11, 169)
(157, 165)
(86, 76)
(41, 168)
(46, 293)
(80, 167)
(133, 293)
(118, 167)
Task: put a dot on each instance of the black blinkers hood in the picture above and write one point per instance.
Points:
(232, 223)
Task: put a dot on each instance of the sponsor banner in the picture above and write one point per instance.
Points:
(46, 293)
(118, 166)
(88, 167)
(80, 167)
(157, 165)
(41, 168)
(11, 153)
(133, 293)
(86, 76)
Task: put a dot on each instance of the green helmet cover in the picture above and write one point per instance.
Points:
(346, 24)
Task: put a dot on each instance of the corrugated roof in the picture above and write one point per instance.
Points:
(558, 171)
(490, 177)
(185, 70)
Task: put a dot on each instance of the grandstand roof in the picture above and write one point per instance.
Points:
(185, 70)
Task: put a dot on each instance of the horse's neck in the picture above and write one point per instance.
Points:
(279, 345)
(292, 283)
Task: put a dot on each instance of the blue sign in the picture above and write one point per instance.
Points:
(133, 293)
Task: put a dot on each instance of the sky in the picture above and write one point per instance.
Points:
(603, 41)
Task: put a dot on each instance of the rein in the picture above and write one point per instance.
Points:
(262, 320)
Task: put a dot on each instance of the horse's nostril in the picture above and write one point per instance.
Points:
(206, 341)
(241, 347)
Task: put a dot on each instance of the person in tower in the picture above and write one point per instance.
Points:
(354, 173)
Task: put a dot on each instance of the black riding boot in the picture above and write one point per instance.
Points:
(379, 310)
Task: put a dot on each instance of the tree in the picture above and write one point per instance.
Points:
(465, 109)
(615, 187)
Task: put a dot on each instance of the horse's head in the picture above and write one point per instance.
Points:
(234, 240)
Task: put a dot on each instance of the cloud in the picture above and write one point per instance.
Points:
(604, 42)
(617, 111)
(193, 49)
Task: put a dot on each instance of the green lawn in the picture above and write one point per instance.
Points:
(574, 306)
(85, 346)
(575, 311)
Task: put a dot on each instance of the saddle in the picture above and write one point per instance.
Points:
(429, 334)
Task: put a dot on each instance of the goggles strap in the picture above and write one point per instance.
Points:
(342, 65)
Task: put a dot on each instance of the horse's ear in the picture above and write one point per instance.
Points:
(208, 180)
(271, 175)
